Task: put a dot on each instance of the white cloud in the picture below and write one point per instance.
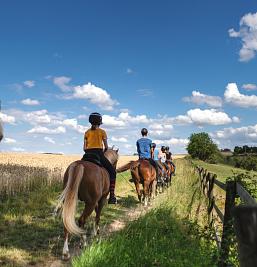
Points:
(138, 119)
(129, 71)
(49, 140)
(62, 83)
(30, 102)
(145, 92)
(112, 121)
(38, 117)
(6, 118)
(9, 140)
(249, 86)
(45, 130)
(233, 96)
(95, 95)
(202, 117)
(248, 34)
(241, 135)
(18, 149)
(29, 83)
(172, 142)
(119, 139)
(199, 99)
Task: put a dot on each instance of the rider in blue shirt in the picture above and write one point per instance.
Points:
(144, 145)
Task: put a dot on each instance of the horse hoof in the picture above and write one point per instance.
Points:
(66, 256)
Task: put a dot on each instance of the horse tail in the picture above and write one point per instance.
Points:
(69, 197)
(125, 167)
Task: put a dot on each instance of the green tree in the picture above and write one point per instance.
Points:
(201, 146)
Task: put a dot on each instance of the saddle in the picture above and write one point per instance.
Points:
(91, 157)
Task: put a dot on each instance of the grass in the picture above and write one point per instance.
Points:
(168, 235)
(223, 171)
(30, 234)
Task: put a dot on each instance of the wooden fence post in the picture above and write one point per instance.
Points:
(228, 224)
(245, 227)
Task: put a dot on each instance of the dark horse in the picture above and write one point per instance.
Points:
(89, 183)
(142, 171)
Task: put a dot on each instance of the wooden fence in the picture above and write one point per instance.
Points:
(244, 218)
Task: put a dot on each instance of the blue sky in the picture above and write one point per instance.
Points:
(175, 67)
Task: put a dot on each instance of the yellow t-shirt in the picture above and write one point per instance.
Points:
(94, 138)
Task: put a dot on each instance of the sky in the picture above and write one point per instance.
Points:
(174, 67)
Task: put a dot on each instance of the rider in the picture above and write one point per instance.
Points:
(94, 141)
(144, 149)
(155, 153)
(169, 158)
(162, 157)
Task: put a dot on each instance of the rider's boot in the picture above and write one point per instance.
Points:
(112, 199)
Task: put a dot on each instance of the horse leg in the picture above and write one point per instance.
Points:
(146, 192)
(138, 191)
(86, 212)
(154, 184)
(65, 250)
(98, 210)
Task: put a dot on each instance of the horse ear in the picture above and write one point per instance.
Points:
(117, 150)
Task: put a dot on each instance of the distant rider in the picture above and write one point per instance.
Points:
(95, 139)
(169, 158)
(144, 148)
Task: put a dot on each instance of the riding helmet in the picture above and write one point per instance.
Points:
(144, 131)
(167, 148)
(95, 118)
(163, 148)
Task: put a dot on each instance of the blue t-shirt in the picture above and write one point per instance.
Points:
(155, 154)
(144, 147)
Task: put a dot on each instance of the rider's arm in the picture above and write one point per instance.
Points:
(85, 142)
(105, 141)
(138, 150)
(159, 154)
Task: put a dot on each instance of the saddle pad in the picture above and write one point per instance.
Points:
(91, 157)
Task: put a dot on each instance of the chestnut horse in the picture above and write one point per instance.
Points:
(142, 171)
(89, 183)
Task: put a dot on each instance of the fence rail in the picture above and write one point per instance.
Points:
(233, 189)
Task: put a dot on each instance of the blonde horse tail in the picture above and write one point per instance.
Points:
(69, 197)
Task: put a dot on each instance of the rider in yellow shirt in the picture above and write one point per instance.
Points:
(95, 142)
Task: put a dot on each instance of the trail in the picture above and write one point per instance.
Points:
(131, 214)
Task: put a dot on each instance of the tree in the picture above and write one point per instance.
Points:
(201, 146)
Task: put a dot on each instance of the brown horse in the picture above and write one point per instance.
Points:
(89, 183)
(171, 172)
(142, 171)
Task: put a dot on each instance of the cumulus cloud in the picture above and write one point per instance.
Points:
(241, 135)
(233, 96)
(248, 34)
(199, 99)
(49, 140)
(249, 86)
(9, 140)
(6, 118)
(62, 83)
(73, 123)
(119, 139)
(18, 149)
(30, 102)
(95, 95)
(172, 142)
(207, 116)
(45, 130)
(29, 83)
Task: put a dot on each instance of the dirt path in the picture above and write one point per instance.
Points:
(131, 214)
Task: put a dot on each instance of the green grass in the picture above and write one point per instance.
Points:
(28, 231)
(168, 235)
(223, 171)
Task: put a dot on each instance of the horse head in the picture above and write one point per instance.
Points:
(112, 155)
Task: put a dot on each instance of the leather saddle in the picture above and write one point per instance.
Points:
(91, 157)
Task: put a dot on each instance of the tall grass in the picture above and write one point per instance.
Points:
(15, 179)
(171, 234)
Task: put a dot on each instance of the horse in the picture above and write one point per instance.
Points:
(88, 182)
(1, 132)
(142, 171)
(171, 171)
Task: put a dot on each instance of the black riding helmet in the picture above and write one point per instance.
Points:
(144, 131)
(167, 148)
(163, 148)
(95, 118)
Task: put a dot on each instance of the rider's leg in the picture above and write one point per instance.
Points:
(106, 163)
